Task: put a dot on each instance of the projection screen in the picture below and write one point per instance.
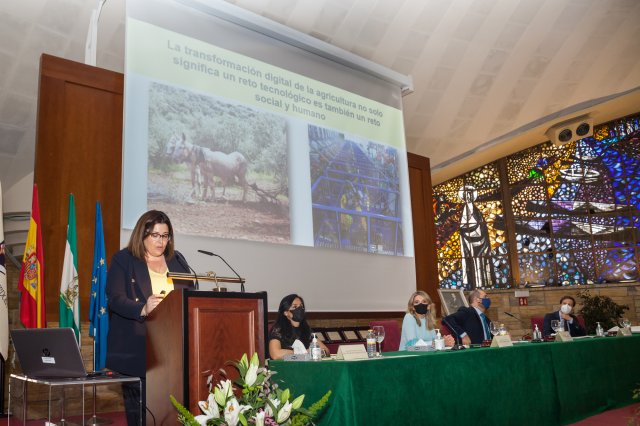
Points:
(289, 165)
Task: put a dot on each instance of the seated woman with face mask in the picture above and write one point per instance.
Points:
(290, 325)
(419, 322)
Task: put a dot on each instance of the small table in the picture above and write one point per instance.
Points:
(64, 382)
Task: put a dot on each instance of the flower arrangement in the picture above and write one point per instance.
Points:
(261, 403)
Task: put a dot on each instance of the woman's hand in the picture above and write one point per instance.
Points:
(152, 302)
(449, 340)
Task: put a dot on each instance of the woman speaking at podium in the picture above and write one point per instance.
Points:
(136, 283)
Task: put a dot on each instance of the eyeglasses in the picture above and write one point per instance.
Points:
(155, 236)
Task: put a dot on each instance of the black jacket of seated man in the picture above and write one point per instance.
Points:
(575, 328)
(466, 323)
(571, 323)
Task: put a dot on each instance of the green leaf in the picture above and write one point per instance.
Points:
(185, 417)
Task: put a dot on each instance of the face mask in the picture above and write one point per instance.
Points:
(421, 308)
(486, 302)
(298, 314)
(565, 309)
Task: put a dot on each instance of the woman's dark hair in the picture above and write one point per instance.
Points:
(284, 324)
(143, 228)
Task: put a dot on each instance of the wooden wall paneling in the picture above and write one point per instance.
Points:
(424, 236)
(79, 151)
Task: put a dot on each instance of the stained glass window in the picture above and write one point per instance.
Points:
(575, 210)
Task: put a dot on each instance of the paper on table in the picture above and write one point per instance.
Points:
(421, 342)
(634, 329)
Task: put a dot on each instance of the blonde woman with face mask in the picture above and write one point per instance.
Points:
(419, 322)
(568, 321)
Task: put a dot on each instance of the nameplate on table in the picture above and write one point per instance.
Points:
(563, 336)
(351, 352)
(421, 348)
(297, 357)
(624, 331)
(501, 341)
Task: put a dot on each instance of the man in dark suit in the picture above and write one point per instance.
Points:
(568, 321)
(471, 324)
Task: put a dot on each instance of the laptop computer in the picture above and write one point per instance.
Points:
(46, 353)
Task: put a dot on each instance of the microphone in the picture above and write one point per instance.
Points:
(526, 326)
(458, 346)
(183, 262)
(208, 253)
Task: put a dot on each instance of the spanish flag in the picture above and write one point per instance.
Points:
(31, 280)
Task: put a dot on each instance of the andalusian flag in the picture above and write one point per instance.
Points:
(4, 310)
(98, 310)
(69, 300)
(31, 279)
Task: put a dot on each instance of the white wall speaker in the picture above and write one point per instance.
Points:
(570, 130)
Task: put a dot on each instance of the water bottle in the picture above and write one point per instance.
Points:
(371, 344)
(502, 331)
(599, 330)
(439, 341)
(314, 348)
(537, 335)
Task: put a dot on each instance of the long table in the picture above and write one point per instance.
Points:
(549, 383)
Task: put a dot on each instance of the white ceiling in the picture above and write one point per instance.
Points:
(482, 69)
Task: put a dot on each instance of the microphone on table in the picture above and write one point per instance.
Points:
(183, 262)
(208, 253)
(458, 346)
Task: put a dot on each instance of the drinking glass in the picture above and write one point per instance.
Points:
(555, 325)
(494, 328)
(625, 323)
(378, 331)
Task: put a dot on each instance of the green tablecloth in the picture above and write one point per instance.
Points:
(528, 384)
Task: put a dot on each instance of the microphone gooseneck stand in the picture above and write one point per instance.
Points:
(458, 346)
(240, 279)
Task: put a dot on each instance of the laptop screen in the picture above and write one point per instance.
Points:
(48, 353)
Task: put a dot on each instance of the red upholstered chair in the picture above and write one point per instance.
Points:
(539, 320)
(391, 342)
(581, 321)
(444, 330)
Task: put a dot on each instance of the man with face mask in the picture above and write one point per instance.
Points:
(471, 324)
(568, 321)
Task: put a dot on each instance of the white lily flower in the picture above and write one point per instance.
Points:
(252, 375)
(223, 391)
(210, 410)
(267, 409)
(297, 403)
(259, 417)
(284, 412)
(232, 412)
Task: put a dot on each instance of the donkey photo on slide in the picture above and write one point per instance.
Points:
(205, 165)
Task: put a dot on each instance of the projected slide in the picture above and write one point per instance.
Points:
(234, 147)
(220, 168)
(355, 192)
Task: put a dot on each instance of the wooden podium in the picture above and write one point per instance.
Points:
(191, 335)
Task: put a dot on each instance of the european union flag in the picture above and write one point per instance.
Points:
(98, 311)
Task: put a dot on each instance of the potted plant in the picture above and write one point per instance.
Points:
(600, 309)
